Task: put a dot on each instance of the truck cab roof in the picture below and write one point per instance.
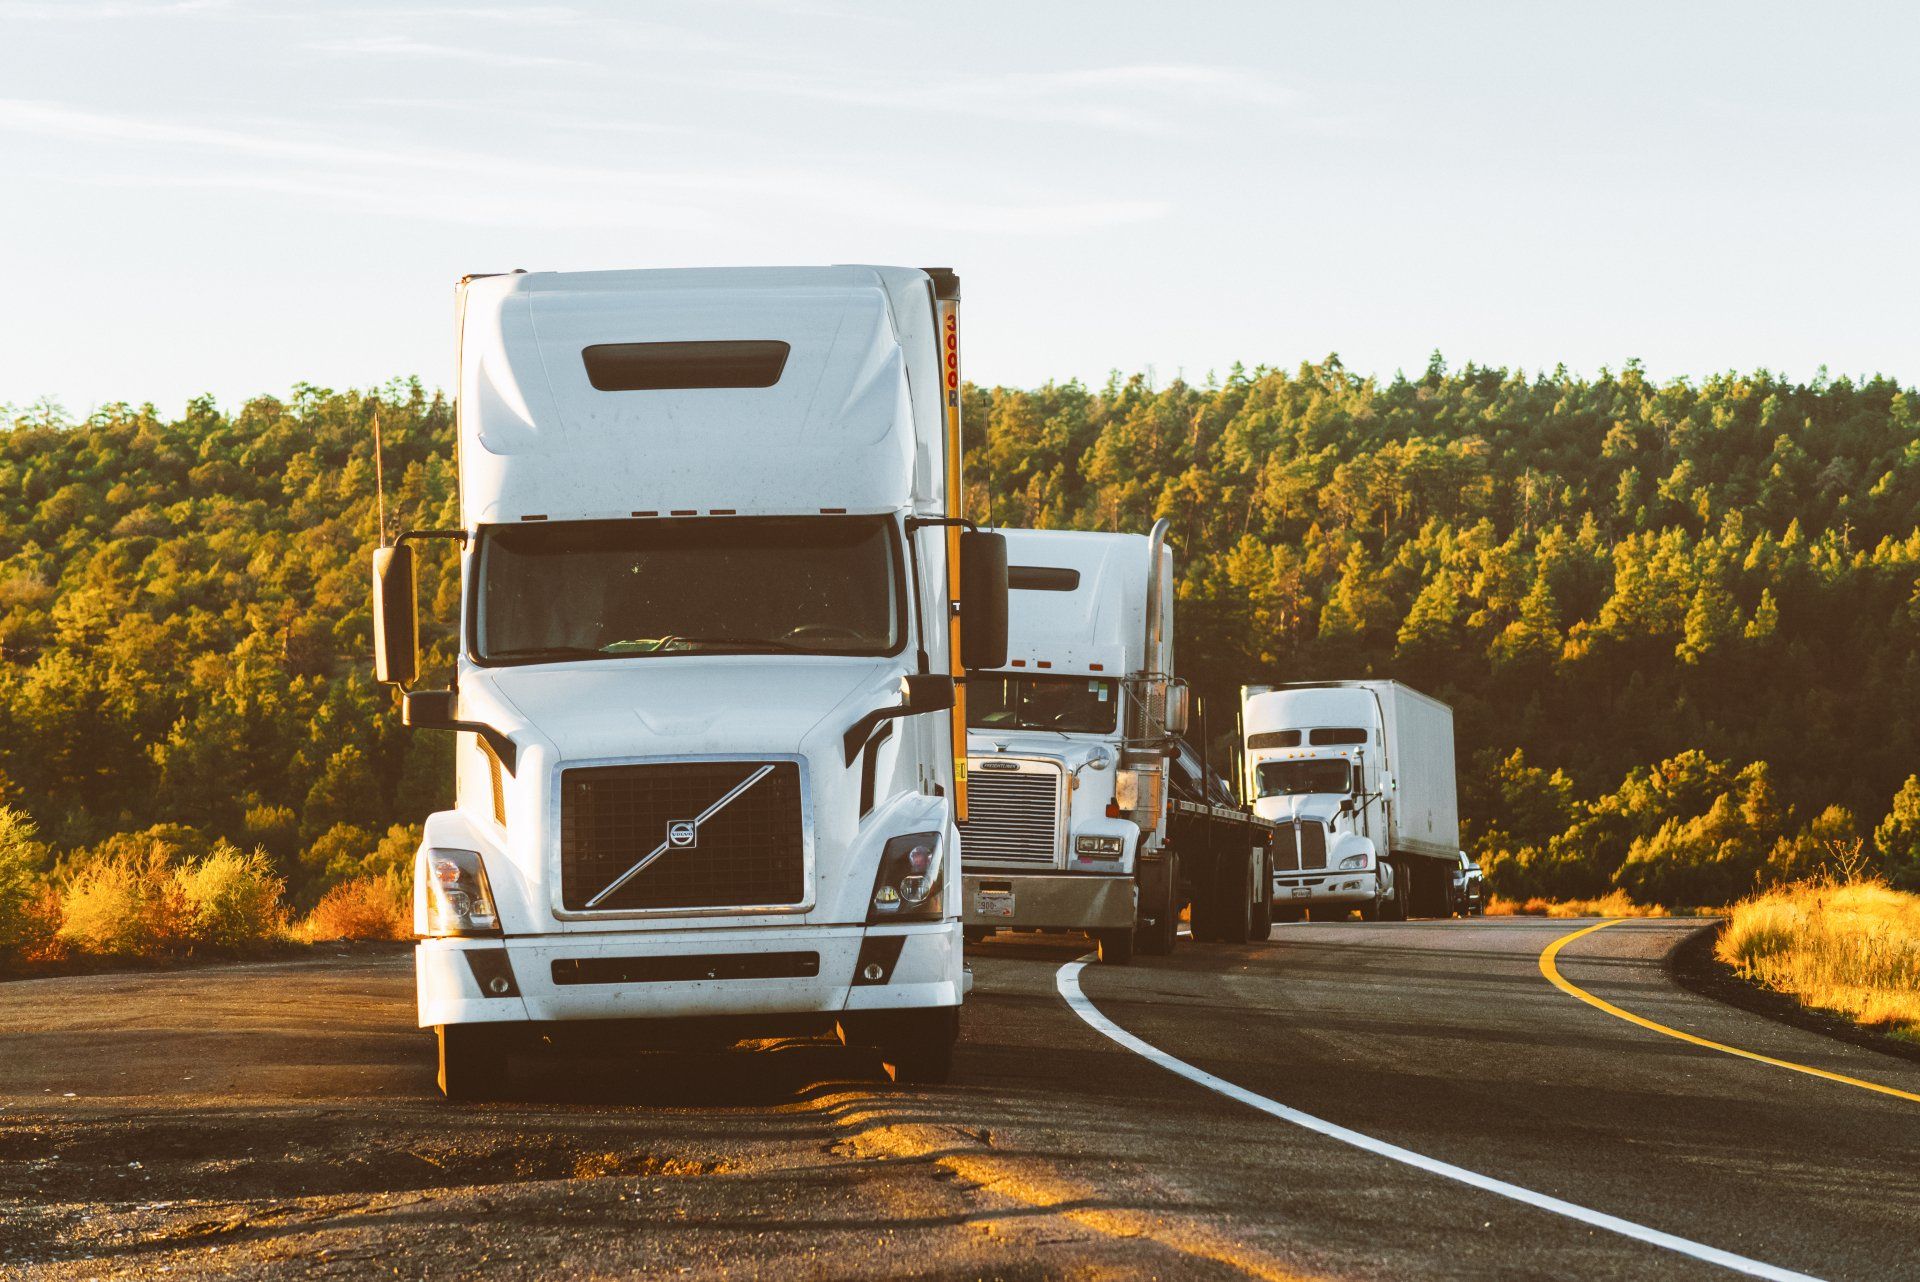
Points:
(709, 391)
(1078, 601)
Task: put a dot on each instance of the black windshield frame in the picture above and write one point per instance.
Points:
(1345, 788)
(901, 621)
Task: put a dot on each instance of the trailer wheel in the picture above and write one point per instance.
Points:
(916, 1046)
(1158, 939)
(1394, 907)
(1115, 947)
(1233, 892)
(473, 1061)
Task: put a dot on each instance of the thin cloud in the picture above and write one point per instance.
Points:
(104, 10)
(498, 191)
(1126, 98)
(402, 47)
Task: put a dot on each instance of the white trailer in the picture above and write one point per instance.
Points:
(1086, 815)
(710, 750)
(1363, 773)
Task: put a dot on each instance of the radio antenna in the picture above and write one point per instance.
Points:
(379, 477)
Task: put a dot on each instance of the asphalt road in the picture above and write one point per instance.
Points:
(271, 1119)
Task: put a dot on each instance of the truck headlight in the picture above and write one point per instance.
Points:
(908, 881)
(459, 901)
(1093, 847)
(1355, 861)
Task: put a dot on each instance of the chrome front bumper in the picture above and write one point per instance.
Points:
(1048, 901)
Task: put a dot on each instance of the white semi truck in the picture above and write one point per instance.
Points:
(710, 748)
(1088, 813)
(1360, 776)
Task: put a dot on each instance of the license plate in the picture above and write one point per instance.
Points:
(993, 903)
(1301, 892)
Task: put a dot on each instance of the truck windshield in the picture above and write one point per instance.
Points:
(716, 585)
(1077, 705)
(1295, 778)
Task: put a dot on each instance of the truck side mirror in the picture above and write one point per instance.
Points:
(396, 628)
(1177, 709)
(983, 600)
(926, 692)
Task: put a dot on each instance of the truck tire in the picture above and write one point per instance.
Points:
(1158, 939)
(916, 1046)
(1233, 892)
(1115, 947)
(473, 1061)
(1394, 906)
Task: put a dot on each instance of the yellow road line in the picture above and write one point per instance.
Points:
(1561, 982)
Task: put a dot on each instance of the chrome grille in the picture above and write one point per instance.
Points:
(1013, 816)
(750, 853)
(1299, 845)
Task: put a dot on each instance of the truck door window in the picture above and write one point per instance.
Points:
(719, 585)
(1076, 705)
(1300, 778)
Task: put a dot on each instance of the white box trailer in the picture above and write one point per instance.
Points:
(1364, 771)
(715, 599)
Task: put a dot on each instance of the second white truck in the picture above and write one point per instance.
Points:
(1360, 776)
(1088, 812)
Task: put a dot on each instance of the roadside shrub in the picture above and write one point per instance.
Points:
(232, 900)
(1850, 949)
(371, 906)
(128, 905)
(23, 862)
(1613, 904)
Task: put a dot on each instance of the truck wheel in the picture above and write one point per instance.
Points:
(1234, 893)
(1115, 946)
(1394, 907)
(916, 1046)
(1158, 939)
(1370, 911)
(473, 1061)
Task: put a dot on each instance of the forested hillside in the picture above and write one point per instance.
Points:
(1677, 621)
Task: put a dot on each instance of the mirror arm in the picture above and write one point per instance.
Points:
(411, 704)
(921, 522)
(860, 731)
(457, 536)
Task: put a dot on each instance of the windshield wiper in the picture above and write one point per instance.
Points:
(655, 645)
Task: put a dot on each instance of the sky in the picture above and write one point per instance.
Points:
(225, 197)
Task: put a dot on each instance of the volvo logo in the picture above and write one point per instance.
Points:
(683, 834)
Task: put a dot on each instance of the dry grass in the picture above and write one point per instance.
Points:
(1613, 904)
(1850, 949)
(374, 906)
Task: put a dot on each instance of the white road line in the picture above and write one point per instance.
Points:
(1068, 982)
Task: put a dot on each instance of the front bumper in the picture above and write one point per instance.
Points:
(1356, 886)
(1048, 901)
(453, 988)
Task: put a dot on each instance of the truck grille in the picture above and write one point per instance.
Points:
(1299, 845)
(1012, 816)
(750, 852)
